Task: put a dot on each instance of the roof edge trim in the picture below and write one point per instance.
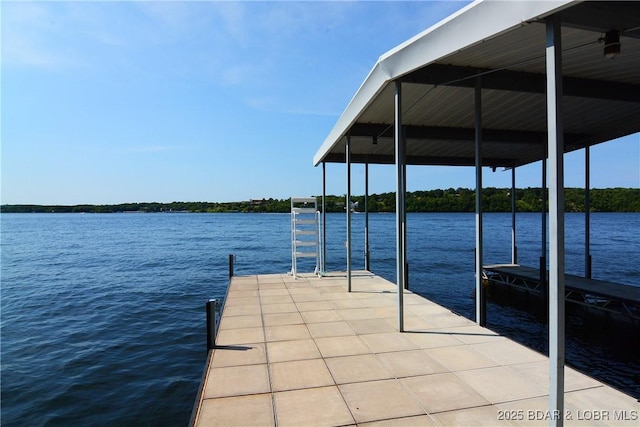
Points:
(375, 82)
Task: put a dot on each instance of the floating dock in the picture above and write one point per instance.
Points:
(598, 295)
(304, 351)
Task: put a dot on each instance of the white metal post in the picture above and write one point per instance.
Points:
(294, 260)
(556, 221)
(481, 308)
(324, 218)
(400, 204)
(587, 213)
(348, 208)
(366, 217)
(514, 246)
(543, 252)
(404, 207)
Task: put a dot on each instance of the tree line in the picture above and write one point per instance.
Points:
(449, 200)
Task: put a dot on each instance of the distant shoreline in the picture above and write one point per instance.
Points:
(447, 200)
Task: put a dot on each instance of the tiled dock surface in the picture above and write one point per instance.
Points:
(306, 352)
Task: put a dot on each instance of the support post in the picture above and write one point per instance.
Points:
(481, 305)
(231, 259)
(400, 204)
(367, 258)
(404, 209)
(348, 209)
(587, 213)
(556, 220)
(324, 219)
(543, 251)
(514, 246)
(211, 323)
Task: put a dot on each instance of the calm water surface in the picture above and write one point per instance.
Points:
(103, 315)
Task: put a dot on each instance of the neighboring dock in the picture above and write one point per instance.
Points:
(304, 351)
(622, 301)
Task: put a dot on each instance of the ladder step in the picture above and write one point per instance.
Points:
(303, 200)
(307, 232)
(305, 254)
(306, 243)
(304, 210)
(305, 221)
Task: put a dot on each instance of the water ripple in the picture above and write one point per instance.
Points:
(103, 315)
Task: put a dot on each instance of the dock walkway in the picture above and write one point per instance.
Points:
(304, 351)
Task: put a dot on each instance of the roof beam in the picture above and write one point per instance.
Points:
(453, 75)
(459, 134)
(420, 160)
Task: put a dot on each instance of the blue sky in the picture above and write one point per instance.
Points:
(114, 102)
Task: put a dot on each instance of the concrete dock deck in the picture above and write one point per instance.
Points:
(304, 351)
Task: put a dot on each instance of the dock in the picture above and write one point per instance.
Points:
(304, 351)
(616, 299)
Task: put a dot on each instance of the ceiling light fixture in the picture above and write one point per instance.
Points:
(611, 44)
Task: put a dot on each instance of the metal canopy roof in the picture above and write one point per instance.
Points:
(504, 44)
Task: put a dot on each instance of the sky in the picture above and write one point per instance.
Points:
(121, 102)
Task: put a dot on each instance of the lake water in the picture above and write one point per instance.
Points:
(103, 314)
